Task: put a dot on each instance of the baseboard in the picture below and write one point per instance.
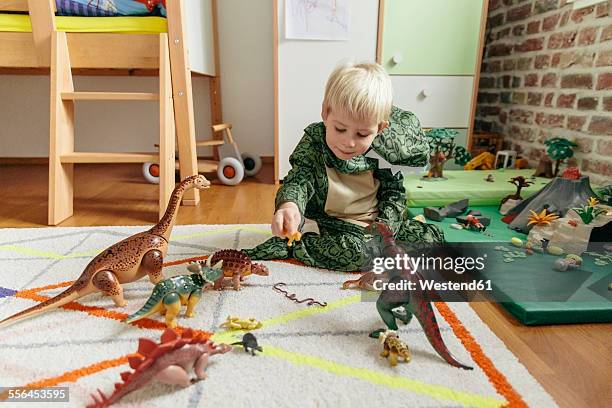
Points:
(10, 161)
(13, 161)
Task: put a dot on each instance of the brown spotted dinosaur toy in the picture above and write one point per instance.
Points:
(236, 266)
(124, 262)
(393, 347)
(169, 362)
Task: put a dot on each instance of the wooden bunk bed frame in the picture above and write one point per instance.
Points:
(30, 53)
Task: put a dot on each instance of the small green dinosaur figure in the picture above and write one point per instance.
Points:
(169, 294)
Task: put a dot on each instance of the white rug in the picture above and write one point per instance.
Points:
(312, 356)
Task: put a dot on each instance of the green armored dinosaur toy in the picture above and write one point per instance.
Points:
(169, 294)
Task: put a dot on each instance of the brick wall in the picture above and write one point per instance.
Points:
(547, 72)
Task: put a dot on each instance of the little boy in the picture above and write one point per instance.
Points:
(334, 184)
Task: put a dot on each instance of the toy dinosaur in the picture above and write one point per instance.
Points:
(236, 266)
(296, 236)
(249, 343)
(393, 347)
(124, 262)
(169, 294)
(365, 281)
(169, 362)
(412, 301)
(236, 323)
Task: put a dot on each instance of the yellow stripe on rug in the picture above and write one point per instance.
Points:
(376, 377)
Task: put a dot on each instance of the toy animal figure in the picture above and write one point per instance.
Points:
(169, 362)
(236, 266)
(124, 262)
(412, 301)
(365, 281)
(236, 323)
(474, 223)
(393, 347)
(169, 294)
(249, 343)
(292, 238)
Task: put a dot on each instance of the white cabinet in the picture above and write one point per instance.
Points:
(438, 101)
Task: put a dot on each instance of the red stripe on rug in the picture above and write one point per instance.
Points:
(499, 381)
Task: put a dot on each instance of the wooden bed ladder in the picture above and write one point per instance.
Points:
(62, 156)
(53, 44)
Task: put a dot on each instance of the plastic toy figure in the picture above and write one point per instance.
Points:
(365, 281)
(450, 210)
(168, 362)
(443, 148)
(249, 343)
(559, 149)
(237, 323)
(411, 301)
(237, 265)
(473, 221)
(169, 294)
(393, 347)
(124, 262)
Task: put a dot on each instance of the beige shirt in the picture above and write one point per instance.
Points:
(352, 197)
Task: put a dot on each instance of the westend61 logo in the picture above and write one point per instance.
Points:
(405, 261)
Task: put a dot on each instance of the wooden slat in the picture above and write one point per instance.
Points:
(275, 40)
(95, 157)
(87, 50)
(18, 50)
(478, 62)
(167, 130)
(207, 166)
(210, 143)
(13, 5)
(221, 126)
(214, 85)
(379, 33)
(42, 16)
(110, 96)
(183, 96)
(61, 132)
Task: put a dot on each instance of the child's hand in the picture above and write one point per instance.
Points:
(286, 220)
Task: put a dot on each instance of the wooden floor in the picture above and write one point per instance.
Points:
(572, 362)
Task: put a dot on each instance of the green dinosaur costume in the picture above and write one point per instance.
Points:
(340, 244)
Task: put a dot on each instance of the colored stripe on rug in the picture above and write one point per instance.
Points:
(499, 381)
(6, 292)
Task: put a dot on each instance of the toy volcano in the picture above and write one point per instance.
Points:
(558, 196)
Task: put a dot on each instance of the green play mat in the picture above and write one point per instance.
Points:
(531, 290)
(462, 184)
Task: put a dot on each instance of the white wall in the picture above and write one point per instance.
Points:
(303, 68)
(247, 77)
(245, 35)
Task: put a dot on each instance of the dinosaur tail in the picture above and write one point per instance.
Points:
(422, 309)
(66, 296)
(151, 307)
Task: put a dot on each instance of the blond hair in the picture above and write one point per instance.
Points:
(363, 91)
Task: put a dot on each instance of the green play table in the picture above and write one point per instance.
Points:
(460, 184)
(530, 289)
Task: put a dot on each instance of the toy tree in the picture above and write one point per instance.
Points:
(559, 149)
(519, 182)
(443, 148)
